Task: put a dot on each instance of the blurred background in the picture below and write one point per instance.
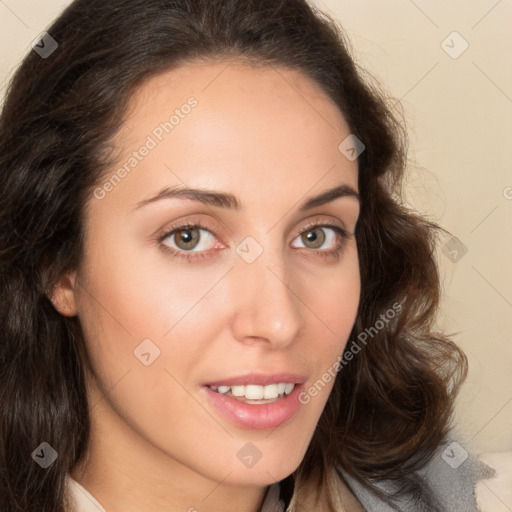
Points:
(449, 65)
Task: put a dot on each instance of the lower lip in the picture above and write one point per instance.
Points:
(254, 416)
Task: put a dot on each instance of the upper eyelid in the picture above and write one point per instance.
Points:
(205, 224)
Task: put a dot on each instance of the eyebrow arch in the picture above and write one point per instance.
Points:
(226, 200)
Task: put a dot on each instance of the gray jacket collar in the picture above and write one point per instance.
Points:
(450, 478)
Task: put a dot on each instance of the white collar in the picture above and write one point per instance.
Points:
(84, 501)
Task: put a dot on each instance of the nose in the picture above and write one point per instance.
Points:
(266, 307)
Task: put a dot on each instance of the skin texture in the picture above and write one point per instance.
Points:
(270, 136)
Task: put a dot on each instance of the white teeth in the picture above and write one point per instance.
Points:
(238, 390)
(255, 392)
(270, 391)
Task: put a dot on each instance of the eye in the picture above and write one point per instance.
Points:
(188, 238)
(193, 241)
(314, 237)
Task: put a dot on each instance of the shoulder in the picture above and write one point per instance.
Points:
(448, 483)
(495, 494)
(79, 499)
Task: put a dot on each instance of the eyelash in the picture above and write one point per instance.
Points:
(195, 256)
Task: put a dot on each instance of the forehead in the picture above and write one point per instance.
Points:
(235, 127)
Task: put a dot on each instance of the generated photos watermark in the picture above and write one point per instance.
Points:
(152, 141)
(354, 349)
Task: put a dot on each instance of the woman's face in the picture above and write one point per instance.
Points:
(257, 295)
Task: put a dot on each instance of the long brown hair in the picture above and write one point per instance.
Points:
(390, 407)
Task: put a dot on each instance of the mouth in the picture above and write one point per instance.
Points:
(256, 401)
(256, 394)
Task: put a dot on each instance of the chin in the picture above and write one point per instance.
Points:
(276, 466)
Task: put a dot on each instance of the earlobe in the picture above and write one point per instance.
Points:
(63, 295)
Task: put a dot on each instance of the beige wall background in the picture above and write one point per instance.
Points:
(448, 62)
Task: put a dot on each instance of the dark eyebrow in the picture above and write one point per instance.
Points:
(328, 196)
(226, 200)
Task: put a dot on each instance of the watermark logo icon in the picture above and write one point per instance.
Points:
(249, 249)
(44, 45)
(45, 455)
(454, 250)
(454, 45)
(249, 455)
(351, 147)
(454, 455)
(146, 352)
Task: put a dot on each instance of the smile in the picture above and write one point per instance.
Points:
(255, 401)
(254, 393)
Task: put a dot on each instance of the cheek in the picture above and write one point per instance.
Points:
(339, 297)
(133, 309)
(138, 292)
(160, 316)
(334, 299)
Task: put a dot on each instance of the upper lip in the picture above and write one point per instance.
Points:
(260, 379)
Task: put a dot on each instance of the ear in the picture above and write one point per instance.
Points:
(63, 295)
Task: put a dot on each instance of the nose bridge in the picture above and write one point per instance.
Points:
(266, 304)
